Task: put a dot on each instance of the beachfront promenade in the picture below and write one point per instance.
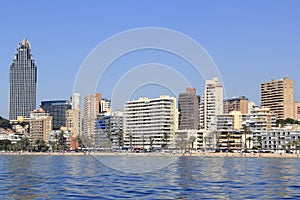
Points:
(206, 154)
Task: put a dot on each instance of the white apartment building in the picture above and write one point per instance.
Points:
(150, 123)
(105, 105)
(281, 139)
(211, 104)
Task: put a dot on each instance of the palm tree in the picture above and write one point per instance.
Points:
(297, 142)
(41, 145)
(246, 131)
(249, 142)
(151, 142)
(24, 144)
(130, 141)
(192, 139)
(165, 139)
(288, 145)
(259, 140)
(228, 135)
(120, 139)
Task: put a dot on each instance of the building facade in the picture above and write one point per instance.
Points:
(150, 123)
(211, 104)
(22, 80)
(92, 108)
(297, 111)
(188, 110)
(40, 125)
(281, 139)
(75, 101)
(278, 95)
(74, 121)
(105, 105)
(236, 104)
(74, 116)
(57, 109)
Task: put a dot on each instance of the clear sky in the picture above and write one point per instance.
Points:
(250, 41)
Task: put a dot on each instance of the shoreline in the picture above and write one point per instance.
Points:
(239, 155)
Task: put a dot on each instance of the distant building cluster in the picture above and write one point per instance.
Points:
(206, 123)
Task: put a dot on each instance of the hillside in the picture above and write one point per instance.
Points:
(4, 123)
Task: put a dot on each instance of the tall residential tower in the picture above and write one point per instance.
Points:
(278, 95)
(188, 108)
(92, 108)
(211, 104)
(22, 80)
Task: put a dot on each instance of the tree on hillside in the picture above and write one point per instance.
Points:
(286, 121)
(4, 123)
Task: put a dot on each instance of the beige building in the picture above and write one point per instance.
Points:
(92, 108)
(236, 104)
(278, 95)
(74, 122)
(231, 121)
(40, 125)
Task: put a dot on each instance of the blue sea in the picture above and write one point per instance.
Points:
(84, 177)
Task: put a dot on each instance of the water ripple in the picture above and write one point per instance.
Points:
(84, 177)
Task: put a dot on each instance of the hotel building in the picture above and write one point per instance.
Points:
(150, 123)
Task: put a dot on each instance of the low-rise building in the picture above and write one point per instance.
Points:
(40, 125)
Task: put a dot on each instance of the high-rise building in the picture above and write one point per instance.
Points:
(74, 121)
(22, 80)
(236, 104)
(188, 108)
(74, 117)
(75, 101)
(92, 108)
(150, 123)
(57, 109)
(211, 104)
(278, 95)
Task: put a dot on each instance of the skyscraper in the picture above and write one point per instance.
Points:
(22, 80)
(278, 95)
(188, 108)
(211, 104)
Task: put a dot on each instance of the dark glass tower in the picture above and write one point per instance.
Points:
(22, 80)
(57, 109)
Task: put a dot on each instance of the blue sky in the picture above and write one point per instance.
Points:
(250, 41)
